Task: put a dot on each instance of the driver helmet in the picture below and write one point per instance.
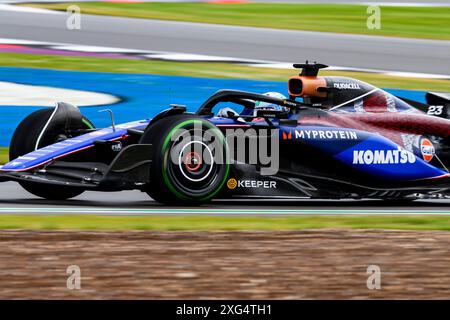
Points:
(227, 113)
(260, 105)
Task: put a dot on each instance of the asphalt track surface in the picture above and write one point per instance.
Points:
(359, 51)
(14, 200)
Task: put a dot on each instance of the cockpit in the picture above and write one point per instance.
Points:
(306, 91)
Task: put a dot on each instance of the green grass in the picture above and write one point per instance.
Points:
(4, 157)
(210, 70)
(416, 22)
(214, 223)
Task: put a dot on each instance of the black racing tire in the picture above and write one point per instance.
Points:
(189, 168)
(24, 141)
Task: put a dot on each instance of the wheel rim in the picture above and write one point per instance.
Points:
(195, 174)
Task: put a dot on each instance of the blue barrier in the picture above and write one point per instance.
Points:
(142, 96)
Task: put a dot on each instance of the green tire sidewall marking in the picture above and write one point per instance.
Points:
(165, 159)
(88, 124)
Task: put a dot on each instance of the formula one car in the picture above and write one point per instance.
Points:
(333, 138)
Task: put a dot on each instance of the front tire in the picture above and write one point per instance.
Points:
(24, 141)
(190, 160)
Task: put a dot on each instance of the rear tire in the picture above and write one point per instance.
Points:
(188, 167)
(24, 141)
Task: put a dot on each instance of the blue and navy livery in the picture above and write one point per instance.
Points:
(333, 138)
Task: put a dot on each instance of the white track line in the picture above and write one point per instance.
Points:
(201, 211)
(8, 7)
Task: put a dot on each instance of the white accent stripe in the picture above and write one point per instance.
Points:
(361, 96)
(27, 158)
(45, 127)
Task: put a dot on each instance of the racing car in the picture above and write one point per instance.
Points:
(332, 138)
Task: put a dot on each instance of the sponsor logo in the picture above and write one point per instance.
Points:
(232, 184)
(346, 86)
(326, 134)
(287, 136)
(117, 146)
(265, 184)
(427, 150)
(289, 103)
(383, 157)
(257, 184)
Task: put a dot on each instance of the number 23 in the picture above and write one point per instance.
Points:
(435, 110)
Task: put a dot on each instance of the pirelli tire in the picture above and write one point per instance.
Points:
(189, 162)
(24, 141)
